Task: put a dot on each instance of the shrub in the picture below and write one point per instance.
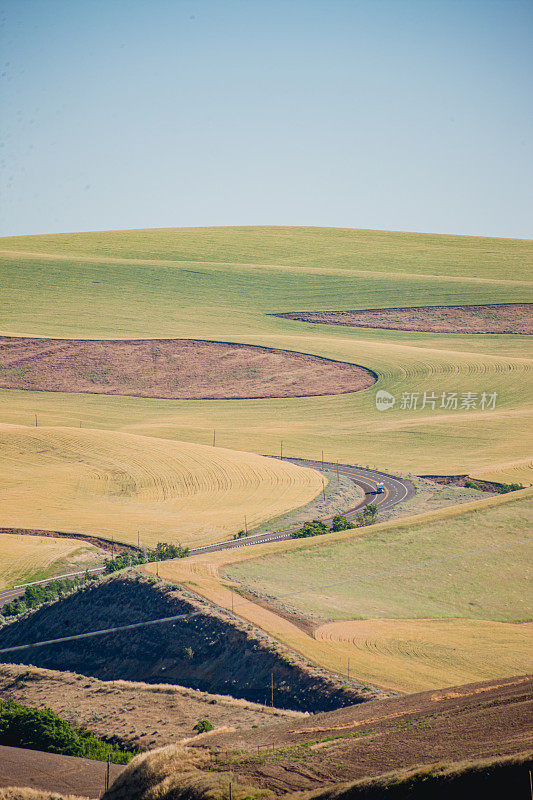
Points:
(471, 485)
(161, 552)
(341, 524)
(503, 488)
(313, 528)
(203, 726)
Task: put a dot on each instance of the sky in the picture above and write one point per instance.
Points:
(388, 114)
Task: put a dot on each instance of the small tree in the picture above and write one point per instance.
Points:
(340, 523)
(203, 726)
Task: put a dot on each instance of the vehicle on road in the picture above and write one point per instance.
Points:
(380, 487)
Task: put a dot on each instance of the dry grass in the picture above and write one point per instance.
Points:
(117, 484)
(202, 574)
(27, 558)
(141, 715)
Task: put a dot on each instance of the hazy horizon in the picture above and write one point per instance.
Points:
(395, 115)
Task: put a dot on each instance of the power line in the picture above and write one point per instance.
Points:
(100, 633)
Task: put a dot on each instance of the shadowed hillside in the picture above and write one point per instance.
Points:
(212, 652)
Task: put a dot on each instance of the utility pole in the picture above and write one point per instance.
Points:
(36, 420)
(323, 489)
(106, 782)
(214, 438)
(281, 452)
(138, 538)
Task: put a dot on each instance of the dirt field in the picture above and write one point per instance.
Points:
(472, 721)
(465, 723)
(50, 772)
(496, 318)
(139, 715)
(183, 369)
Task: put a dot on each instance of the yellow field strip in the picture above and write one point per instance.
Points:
(380, 662)
(134, 488)
(23, 557)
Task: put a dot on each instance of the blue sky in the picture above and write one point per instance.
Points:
(398, 114)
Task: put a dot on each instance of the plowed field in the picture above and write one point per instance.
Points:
(431, 652)
(496, 318)
(172, 368)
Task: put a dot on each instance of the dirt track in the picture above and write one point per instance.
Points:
(180, 369)
(52, 772)
(497, 318)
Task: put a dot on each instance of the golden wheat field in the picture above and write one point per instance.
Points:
(127, 487)
(430, 653)
(26, 558)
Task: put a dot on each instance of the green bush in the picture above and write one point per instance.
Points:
(503, 488)
(43, 593)
(38, 729)
(202, 726)
(341, 524)
(162, 552)
(313, 528)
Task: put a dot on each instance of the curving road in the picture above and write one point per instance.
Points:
(397, 490)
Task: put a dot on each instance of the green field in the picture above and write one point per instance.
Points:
(487, 584)
(224, 283)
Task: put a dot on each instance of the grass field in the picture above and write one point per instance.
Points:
(223, 284)
(405, 654)
(116, 485)
(32, 558)
(370, 576)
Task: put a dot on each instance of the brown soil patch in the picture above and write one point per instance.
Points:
(180, 369)
(50, 772)
(460, 480)
(471, 722)
(497, 318)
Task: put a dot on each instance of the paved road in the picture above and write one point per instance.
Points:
(397, 490)
(49, 772)
(9, 595)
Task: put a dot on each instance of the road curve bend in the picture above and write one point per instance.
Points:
(396, 490)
